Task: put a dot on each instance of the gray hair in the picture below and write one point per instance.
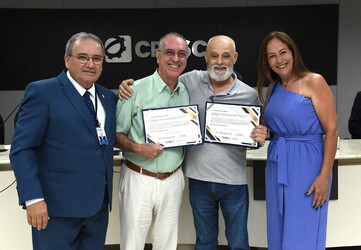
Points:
(81, 36)
(176, 34)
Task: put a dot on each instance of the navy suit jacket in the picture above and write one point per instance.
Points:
(354, 122)
(55, 151)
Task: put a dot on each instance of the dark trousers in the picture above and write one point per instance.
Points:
(73, 233)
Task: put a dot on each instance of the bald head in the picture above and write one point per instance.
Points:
(221, 41)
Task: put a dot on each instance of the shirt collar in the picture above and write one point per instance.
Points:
(161, 85)
(79, 88)
(230, 91)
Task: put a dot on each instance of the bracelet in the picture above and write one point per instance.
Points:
(261, 144)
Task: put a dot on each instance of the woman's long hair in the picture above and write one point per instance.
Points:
(265, 71)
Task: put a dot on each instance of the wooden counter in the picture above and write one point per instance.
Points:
(344, 218)
(349, 151)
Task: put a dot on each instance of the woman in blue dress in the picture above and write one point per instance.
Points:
(300, 112)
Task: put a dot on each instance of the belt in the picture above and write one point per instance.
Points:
(282, 161)
(160, 176)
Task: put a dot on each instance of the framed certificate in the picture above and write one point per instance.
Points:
(231, 123)
(172, 127)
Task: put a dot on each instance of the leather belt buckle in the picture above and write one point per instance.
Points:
(140, 170)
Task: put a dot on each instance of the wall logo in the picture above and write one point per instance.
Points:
(118, 49)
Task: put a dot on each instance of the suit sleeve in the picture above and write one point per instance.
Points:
(354, 122)
(29, 133)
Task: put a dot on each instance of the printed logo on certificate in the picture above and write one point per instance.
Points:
(231, 123)
(172, 127)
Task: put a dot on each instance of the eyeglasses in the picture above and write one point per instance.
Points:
(83, 59)
(172, 53)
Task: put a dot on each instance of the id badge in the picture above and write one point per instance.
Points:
(102, 137)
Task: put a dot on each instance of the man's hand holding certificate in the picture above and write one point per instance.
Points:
(231, 123)
(172, 127)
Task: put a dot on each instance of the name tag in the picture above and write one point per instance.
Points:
(102, 137)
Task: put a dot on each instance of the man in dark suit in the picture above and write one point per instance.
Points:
(2, 130)
(63, 171)
(354, 122)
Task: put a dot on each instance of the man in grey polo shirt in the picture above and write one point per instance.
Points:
(217, 172)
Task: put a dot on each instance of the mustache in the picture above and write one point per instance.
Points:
(220, 66)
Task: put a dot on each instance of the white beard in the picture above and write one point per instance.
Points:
(219, 77)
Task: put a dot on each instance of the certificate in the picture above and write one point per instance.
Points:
(231, 123)
(172, 127)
